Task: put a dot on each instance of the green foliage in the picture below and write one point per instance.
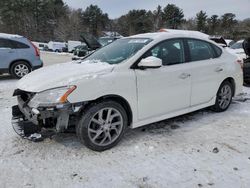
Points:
(172, 16)
(95, 19)
(35, 19)
(201, 21)
(45, 20)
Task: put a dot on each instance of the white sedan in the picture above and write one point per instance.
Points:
(132, 82)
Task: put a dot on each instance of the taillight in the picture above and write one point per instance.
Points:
(240, 62)
(37, 51)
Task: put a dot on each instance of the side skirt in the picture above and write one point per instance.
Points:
(171, 115)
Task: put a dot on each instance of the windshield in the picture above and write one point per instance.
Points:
(119, 50)
(237, 45)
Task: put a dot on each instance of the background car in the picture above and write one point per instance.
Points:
(237, 48)
(18, 55)
(246, 64)
(80, 50)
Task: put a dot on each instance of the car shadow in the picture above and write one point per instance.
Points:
(164, 128)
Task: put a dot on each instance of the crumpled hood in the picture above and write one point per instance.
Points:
(62, 75)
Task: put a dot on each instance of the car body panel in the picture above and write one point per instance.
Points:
(160, 91)
(62, 75)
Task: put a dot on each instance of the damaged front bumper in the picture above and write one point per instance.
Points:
(27, 120)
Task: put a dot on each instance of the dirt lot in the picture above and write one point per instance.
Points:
(201, 149)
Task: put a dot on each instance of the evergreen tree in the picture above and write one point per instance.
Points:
(201, 21)
(172, 16)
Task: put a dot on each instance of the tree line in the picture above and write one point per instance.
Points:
(45, 20)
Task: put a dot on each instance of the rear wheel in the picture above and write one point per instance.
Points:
(102, 125)
(224, 97)
(20, 69)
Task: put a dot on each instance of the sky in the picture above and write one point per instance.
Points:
(116, 8)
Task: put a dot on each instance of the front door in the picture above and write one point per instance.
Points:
(166, 89)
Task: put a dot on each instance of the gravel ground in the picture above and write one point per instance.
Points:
(201, 149)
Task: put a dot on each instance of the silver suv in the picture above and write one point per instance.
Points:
(18, 56)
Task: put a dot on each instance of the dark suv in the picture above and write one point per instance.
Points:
(18, 56)
(246, 64)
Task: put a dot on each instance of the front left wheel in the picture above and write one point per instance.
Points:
(20, 69)
(102, 125)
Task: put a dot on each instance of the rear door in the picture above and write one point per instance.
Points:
(207, 70)
(7, 53)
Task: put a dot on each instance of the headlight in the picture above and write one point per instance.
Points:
(51, 97)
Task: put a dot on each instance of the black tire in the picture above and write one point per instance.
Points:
(218, 107)
(246, 83)
(14, 69)
(83, 127)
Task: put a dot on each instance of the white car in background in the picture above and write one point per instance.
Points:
(131, 82)
(237, 48)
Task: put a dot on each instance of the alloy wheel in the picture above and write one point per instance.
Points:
(225, 96)
(21, 70)
(105, 126)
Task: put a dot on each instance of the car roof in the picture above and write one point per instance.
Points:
(168, 33)
(9, 36)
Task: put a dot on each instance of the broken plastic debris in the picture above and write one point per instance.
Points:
(36, 137)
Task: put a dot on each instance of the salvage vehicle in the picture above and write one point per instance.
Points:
(246, 64)
(18, 55)
(129, 83)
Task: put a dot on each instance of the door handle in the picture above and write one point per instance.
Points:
(184, 75)
(218, 69)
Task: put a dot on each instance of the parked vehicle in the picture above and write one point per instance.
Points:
(219, 40)
(72, 45)
(132, 82)
(56, 46)
(18, 55)
(81, 50)
(237, 48)
(90, 41)
(89, 45)
(246, 65)
(40, 45)
(229, 42)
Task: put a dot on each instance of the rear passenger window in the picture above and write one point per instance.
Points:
(217, 50)
(5, 43)
(200, 50)
(18, 45)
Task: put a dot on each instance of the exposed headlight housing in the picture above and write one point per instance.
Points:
(51, 97)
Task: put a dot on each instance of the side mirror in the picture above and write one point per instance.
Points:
(150, 62)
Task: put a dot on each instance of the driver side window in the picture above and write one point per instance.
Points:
(171, 52)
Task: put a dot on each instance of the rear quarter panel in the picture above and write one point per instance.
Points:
(234, 70)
